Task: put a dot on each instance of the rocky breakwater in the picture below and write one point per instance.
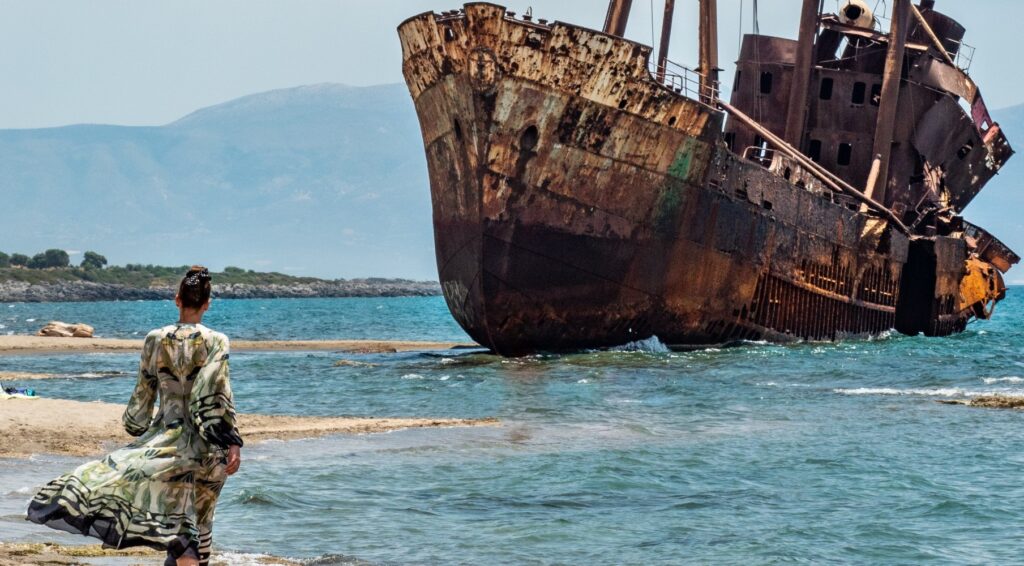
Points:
(67, 291)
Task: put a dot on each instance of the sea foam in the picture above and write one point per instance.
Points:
(652, 345)
(1011, 379)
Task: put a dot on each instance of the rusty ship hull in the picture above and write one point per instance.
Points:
(579, 203)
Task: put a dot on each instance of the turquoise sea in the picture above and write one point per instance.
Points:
(753, 454)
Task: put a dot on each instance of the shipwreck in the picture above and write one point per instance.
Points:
(587, 193)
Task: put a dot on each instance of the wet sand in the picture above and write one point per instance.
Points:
(35, 345)
(48, 554)
(23, 376)
(75, 428)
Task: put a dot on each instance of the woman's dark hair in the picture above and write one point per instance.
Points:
(194, 289)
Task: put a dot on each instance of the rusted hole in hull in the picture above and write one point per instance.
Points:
(457, 127)
(528, 140)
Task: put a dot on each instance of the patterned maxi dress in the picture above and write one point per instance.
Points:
(159, 491)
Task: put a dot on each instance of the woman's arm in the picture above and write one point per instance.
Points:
(139, 413)
(212, 406)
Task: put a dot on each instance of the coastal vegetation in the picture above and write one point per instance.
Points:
(50, 276)
(54, 265)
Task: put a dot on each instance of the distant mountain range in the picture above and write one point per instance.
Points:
(324, 180)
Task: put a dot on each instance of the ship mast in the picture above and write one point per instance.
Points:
(666, 34)
(878, 179)
(617, 17)
(796, 115)
(708, 51)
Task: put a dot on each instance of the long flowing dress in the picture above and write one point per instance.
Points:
(159, 491)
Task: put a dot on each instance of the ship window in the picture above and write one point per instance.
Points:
(845, 154)
(876, 94)
(736, 83)
(859, 90)
(825, 93)
(766, 83)
(814, 150)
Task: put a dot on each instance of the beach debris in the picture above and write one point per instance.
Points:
(354, 364)
(989, 401)
(66, 330)
(17, 392)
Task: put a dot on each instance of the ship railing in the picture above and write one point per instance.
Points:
(684, 80)
(964, 56)
(761, 155)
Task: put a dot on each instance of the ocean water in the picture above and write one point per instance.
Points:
(410, 318)
(758, 453)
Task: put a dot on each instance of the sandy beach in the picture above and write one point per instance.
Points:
(34, 345)
(75, 428)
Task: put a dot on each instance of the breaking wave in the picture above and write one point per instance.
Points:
(652, 345)
(928, 391)
(1011, 379)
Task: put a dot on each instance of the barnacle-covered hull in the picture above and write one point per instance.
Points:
(578, 203)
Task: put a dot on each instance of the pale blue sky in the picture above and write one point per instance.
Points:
(140, 62)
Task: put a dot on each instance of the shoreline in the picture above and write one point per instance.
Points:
(24, 553)
(81, 290)
(22, 345)
(79, 428)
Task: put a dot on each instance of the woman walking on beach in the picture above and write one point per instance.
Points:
(160, 491)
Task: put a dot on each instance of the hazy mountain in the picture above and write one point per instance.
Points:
(324, 180)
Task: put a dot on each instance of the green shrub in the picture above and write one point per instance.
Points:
(93, 260)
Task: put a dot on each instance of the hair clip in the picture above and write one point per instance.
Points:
(195, 277)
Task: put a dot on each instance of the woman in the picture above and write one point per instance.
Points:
(160, 491)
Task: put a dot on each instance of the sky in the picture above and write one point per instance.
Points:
(147, 62)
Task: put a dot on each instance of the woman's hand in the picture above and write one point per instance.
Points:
(234, 459)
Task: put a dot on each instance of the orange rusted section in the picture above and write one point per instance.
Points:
(981, 287)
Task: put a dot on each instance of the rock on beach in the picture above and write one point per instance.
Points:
(66, 330)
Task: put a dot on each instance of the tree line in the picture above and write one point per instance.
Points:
(52, 258)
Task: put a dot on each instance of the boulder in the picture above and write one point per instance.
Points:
(65, 330)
